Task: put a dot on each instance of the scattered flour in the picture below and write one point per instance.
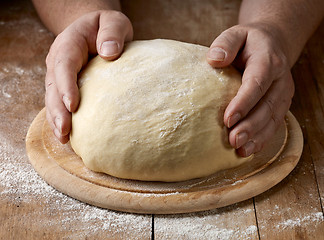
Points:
(207, 225)
(192, 231)
(21, 186)
(311, 219)
(223, 223)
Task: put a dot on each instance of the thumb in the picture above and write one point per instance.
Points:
(225, 47)
(114, 29)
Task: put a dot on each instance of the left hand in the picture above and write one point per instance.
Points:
(262, 101)
(103, 32)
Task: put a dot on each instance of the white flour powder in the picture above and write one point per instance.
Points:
(21, 185)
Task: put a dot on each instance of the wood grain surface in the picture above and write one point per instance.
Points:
(59, 165)
(30, 209)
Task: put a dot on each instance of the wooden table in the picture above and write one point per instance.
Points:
(30, 209)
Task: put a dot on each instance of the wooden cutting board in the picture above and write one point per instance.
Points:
(60, 167)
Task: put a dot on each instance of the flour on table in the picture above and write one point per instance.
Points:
(311, 219)
(21, 185)
(206, 225)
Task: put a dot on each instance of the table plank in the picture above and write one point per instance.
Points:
(189, 21)
(233, 222)
(315, 124)
(29, 208)
(291, 210)
(293, 207)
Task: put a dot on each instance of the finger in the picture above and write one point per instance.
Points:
(114, 29)
(57, 115)
(48, 85)
(66, 82)
(226, 46)
(277, 100)
(274, 104)
(259, 141)
(256, 81)
(62, 139)
(67, 55)
(49, 119)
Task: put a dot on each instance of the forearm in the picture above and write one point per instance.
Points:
(57, 15)
(293, 20)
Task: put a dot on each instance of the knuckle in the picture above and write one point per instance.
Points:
(61, 58)
(260, 85)
(116, 14)
(229, 37)
(116, 18)
(249, 128)
(277, 120)
(59, 62)
(66, 62)
(278, 61)
(270, 104)
(226, 37)
(58, 50)
(240, 99)
(48, 85)
(287, 101)
(258, 145)
(48, 82)
(236, 29)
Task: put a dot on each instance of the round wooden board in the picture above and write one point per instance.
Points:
(60, 167)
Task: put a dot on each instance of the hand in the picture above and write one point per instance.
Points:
(265, 95)
(102, 32)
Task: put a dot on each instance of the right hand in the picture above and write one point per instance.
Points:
(99, 32)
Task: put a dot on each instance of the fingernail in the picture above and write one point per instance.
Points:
(249, 148)
(217, 54)
(233, 119)
(109, 48)
(58, 124)
(241, 139)
(67, 103)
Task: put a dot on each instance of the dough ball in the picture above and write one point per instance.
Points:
(155, 114)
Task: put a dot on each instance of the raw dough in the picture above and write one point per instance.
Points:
(155, 114)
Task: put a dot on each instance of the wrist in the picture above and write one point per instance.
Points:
(60, 14)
